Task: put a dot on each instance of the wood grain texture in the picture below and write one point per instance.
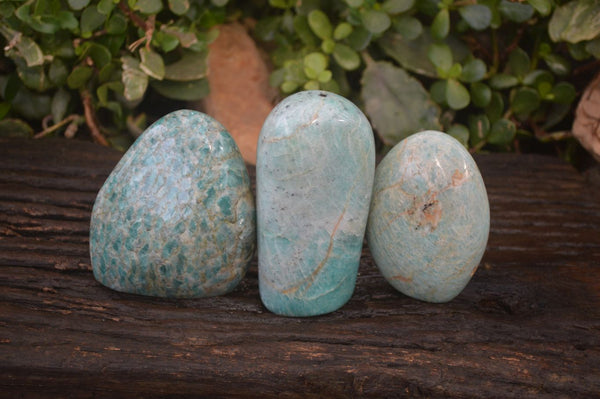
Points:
(527, 325)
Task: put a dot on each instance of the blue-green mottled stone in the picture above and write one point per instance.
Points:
(430, 218)
(176, 216)
(315, 170)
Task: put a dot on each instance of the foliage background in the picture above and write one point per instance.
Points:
(497, 75)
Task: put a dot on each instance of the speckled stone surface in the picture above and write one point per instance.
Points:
(315, 170)
(176, 217)
(430, 218)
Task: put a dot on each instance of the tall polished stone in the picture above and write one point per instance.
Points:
(176, 217)
(430, 218)
(315, 170)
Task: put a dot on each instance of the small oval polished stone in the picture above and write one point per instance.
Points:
(176, 216)
(429, 220)
(315, 169)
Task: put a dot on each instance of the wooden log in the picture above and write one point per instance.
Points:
(527, 325)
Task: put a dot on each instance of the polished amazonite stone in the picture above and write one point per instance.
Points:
(176, 217)
(315, 169)
(430, 218)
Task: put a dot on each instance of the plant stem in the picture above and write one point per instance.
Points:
(136, 19)
(90, 119)
(57, 126)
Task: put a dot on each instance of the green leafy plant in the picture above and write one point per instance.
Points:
(488, 72)
(69, 63)
(495, 74)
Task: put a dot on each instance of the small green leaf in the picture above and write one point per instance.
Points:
(544, 7)
(90, 20)
(303, 30)
(30, 51)
(288, 86)
(220, 3)
(437, 91)
(316, 61)
(60, 104)
(78, 4)
(33, 77)
(502, 132)
(396, 103)
(58, 72)
(556, 114)
(460, 133)
(135, 81)
(179, 7)
(324, 76)
(519, 63)
(375, 21)
(185, 91)
(79, 76)
(440, 56)
(441, 24)
(106, 6)
(481, 94)
(152, 64)
(474, 70)
(558, 64)
(544, 89)
(495, 108)
(515, 11)
(148, 6)
(593, 47)
(6, 9)
(455, 71)
(409, 27)
(117, 24)
(165, 41)
(575, 21)
(311, 85)
(327, 46)
(114, 43)
(563, 93)
(67, 20)
(342, 31)
(31, 105)
(477, 16)
(191, 66)
(525, 100)
(320, 25)
(397, 6)
(26, 47)
(99, 54)
(578, 50)
(534, 78)
(457, 96)
(186, 39)
(479, 128)
(359, 39)
(15, 128)
(346, 57)
(503, 81)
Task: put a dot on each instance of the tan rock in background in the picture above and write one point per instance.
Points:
(586, 126)
(240, 96)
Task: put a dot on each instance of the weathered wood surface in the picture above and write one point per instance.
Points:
(527, 325)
